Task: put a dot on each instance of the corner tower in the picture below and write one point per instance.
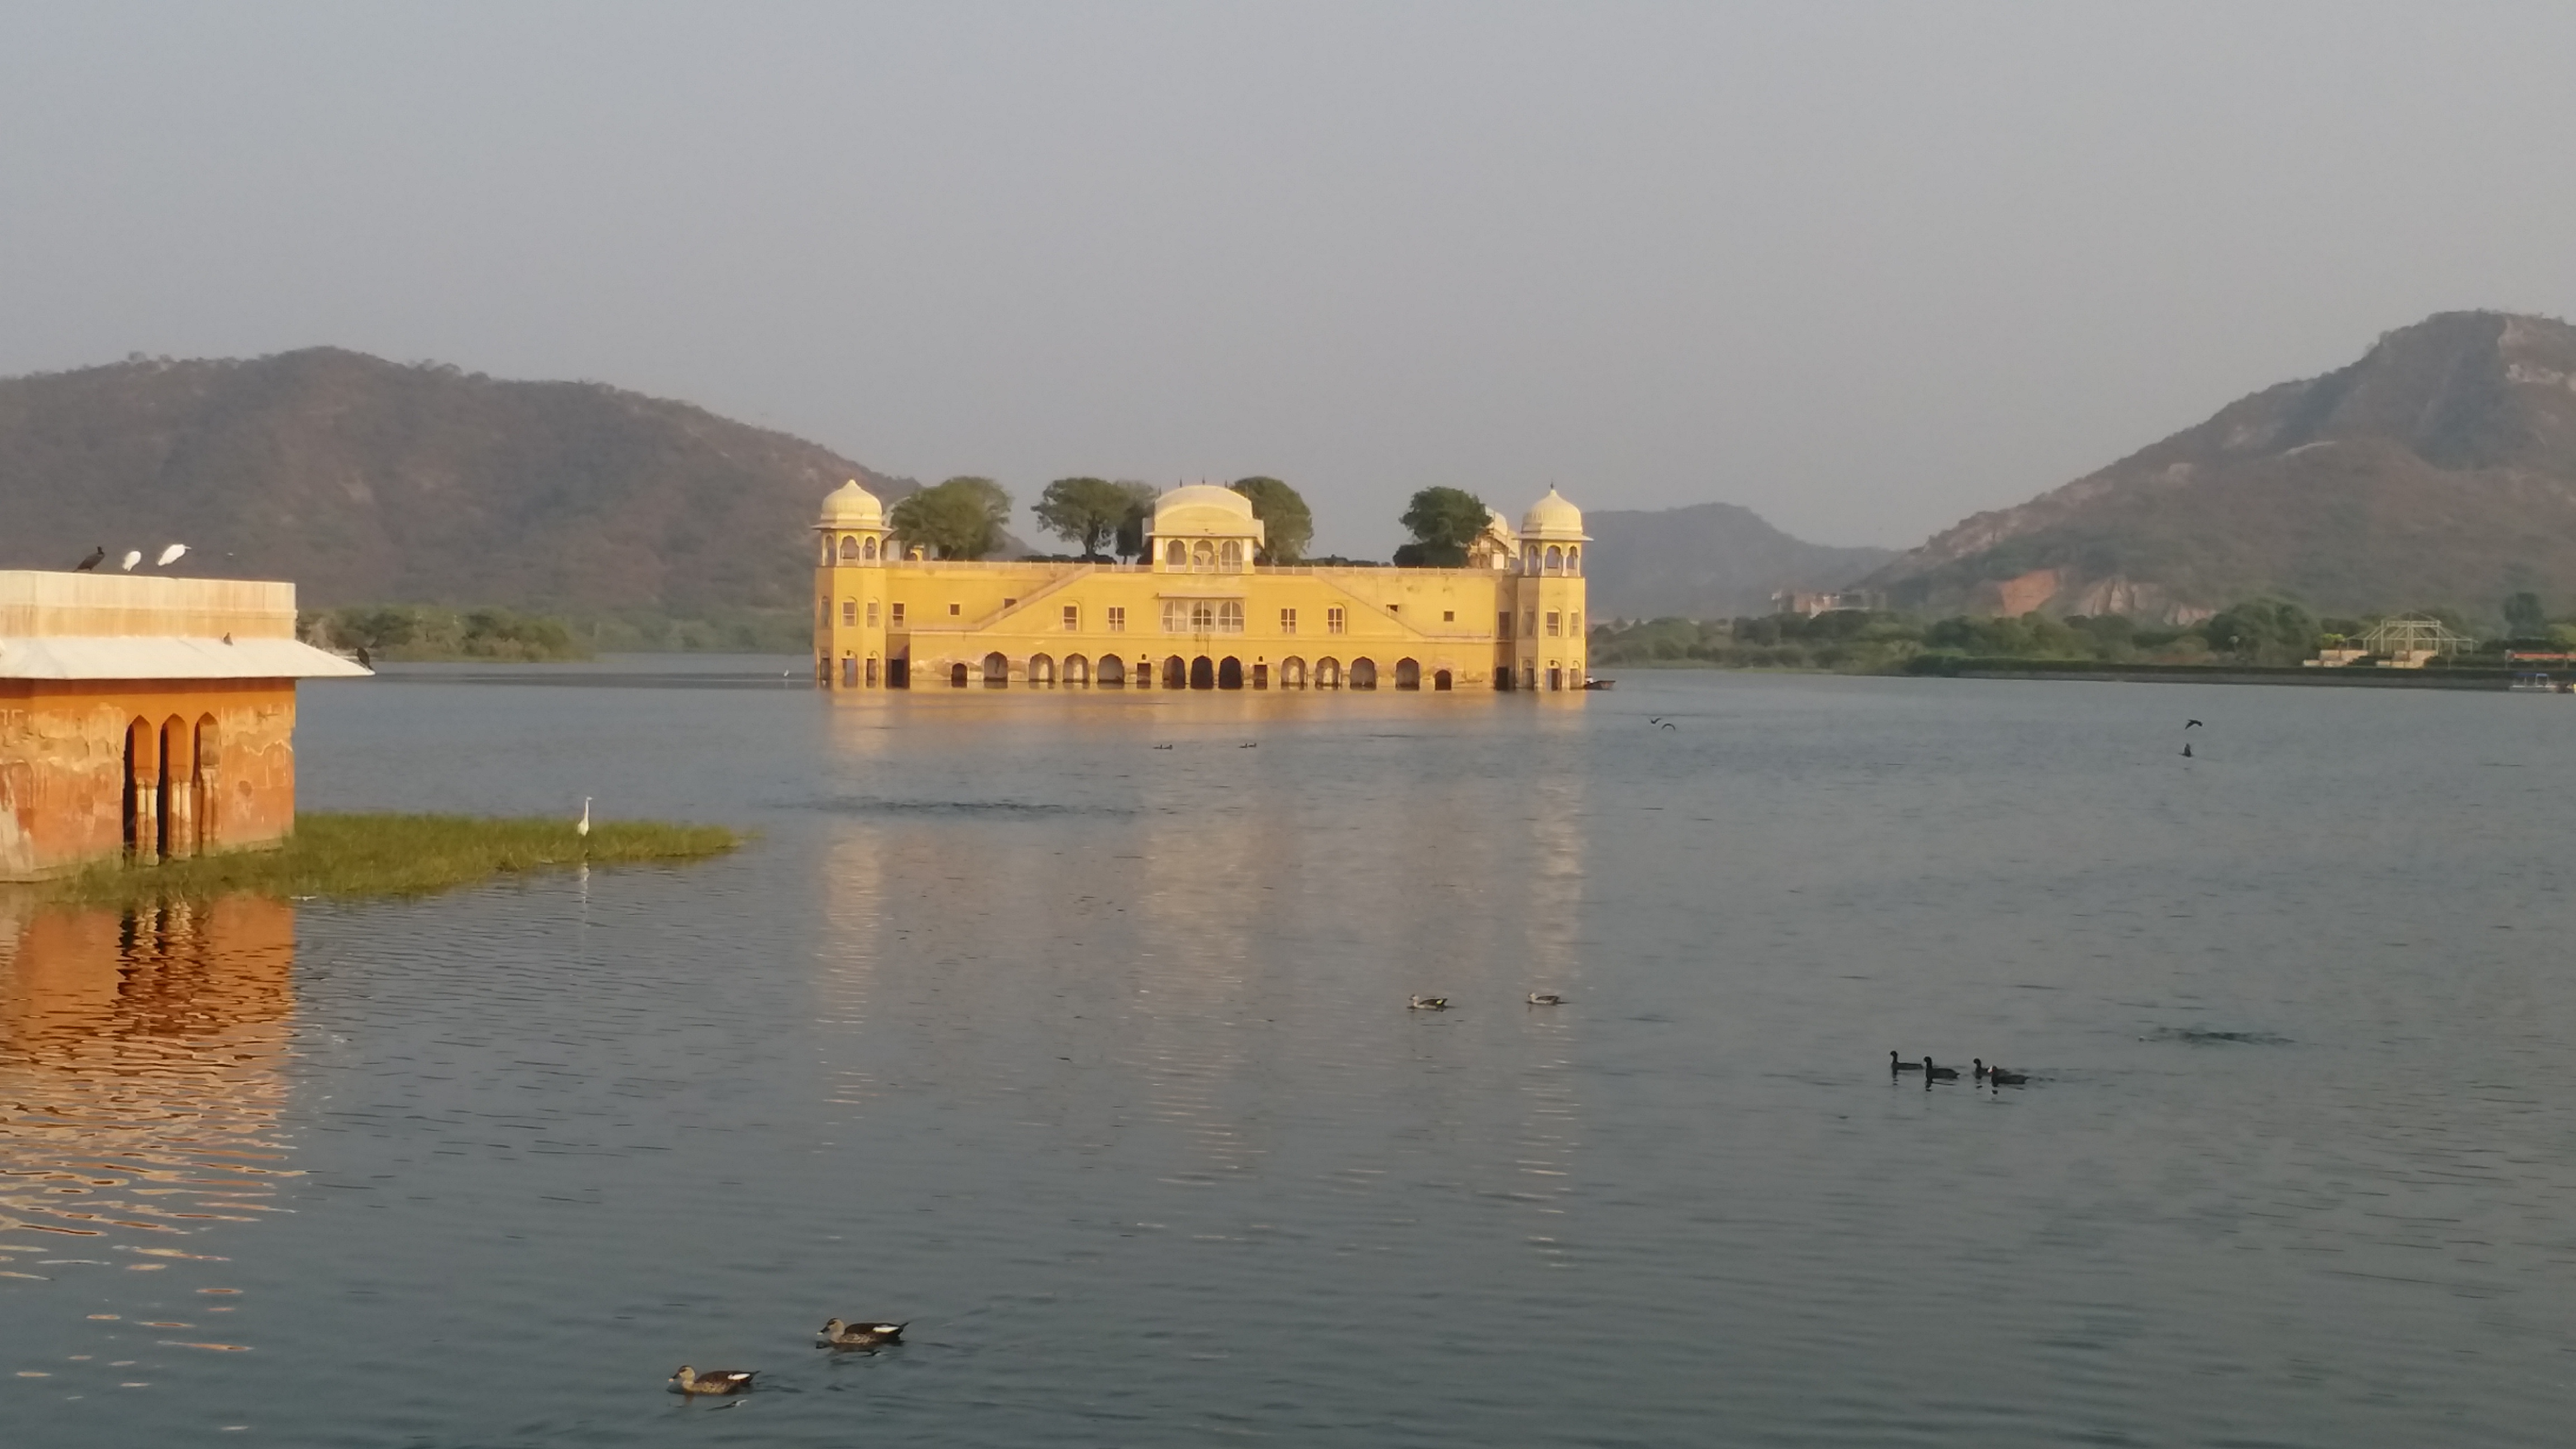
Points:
(849, 590)
(1549, 640)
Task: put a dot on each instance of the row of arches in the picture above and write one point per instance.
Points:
(1557, 559)
(1204, 556)
(1202, 672)
(173, 786)
(856, 548)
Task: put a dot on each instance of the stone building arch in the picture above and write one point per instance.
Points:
(1441, 680)
(1408, 674)
(1077, 670)
(1113, 671)
(1041, 669)
(1202, 673)
(1229, 673)
(957, 674)
(1328, 673)
(1363, 673)
(1292, 673)
(997, 669)
(1176, 673)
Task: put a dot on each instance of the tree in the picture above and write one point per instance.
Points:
(960, 518)
(2262, 631)
(1443, 522)
(1085, 511)
(1287, 524)
(1130, 540)
(2524, 618)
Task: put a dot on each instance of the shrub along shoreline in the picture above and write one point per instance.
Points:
(386, 855)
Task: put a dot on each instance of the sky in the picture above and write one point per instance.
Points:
(1865, 269)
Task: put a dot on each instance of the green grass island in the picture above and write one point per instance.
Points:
(374, 855)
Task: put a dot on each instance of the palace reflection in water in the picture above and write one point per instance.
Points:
(141, 1086)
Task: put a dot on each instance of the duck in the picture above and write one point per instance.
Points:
(1545, 998)
(1980, 1063)
(837, 1334)
(714, 1381)
(1428, 1003)
(1896, 1063)
(2002, 1078)
(1932, 1073)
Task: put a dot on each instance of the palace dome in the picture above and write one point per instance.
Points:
(1205, 510)
(1553, 517)
(851, 506)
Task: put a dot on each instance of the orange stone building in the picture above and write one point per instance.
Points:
(146, 717)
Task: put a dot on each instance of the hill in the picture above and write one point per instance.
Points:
(1707, 561)
(369, 481)
(2438, 470)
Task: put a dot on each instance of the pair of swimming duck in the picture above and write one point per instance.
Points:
(834, 1334)
(1933, 1073)
(1441, 1003)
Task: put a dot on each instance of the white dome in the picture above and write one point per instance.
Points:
(851, 506)
(1553, 517)
(1204, 510)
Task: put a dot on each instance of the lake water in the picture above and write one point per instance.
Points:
(1092, 1060)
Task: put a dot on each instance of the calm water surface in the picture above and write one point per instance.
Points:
(1091, 1059)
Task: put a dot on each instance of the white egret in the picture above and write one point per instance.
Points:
(581, 827)
(169, 555)
(132, 557)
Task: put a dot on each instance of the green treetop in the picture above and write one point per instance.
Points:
(960, 518)
(1443, 522)
(1084, 511)
(1287, 524)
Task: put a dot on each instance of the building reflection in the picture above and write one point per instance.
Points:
(141, 1074)
(1232, 930)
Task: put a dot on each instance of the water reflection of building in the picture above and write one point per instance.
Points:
(141, 1080)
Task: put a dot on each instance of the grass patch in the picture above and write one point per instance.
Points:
(394, 855)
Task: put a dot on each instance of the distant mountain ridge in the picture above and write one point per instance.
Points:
(2439, 469)
(1706, 561)
(369, 481)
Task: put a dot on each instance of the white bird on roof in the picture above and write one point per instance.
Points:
(170, 555)
(132, 557)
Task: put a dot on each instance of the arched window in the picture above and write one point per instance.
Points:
(1229, 673)
(1328, 673)
(1292, 673)
(1555, 559)
(1202, 673)
(849, 547)
(1203, 555)
(1232, 555)
(827, 548)
(1574, 560)
(957, 675)
(1529, 557)
(1177, 554)
(1041, 669)
(1113, 670)
(1176, 673)
(1077, 670)
(209, 783)
(1408, 674)
(1440, 680)
(997, 669)
(1363, 674)
(868, 550)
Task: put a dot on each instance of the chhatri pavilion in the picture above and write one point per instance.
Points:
(1197, 612)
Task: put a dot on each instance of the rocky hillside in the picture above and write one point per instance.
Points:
(366, 481)
(2440, 469)
(1708, 561)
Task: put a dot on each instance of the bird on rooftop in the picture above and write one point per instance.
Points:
(169, 555)
(97, 555)
(714, 1381)
(132, 557)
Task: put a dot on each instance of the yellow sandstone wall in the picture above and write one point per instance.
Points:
(1468, 622)
(67, 749)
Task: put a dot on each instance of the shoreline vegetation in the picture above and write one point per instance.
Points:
(2259, 640)
(375, 855)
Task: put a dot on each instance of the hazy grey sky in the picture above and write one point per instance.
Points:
(1865, 268)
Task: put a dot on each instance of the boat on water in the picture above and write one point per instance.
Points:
(1599, 683)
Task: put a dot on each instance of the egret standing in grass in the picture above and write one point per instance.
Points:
(581, 827)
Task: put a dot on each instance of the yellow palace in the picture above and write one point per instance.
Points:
(1198, 613)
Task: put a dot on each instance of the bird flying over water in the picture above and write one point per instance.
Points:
(132, 557)
(169, 555)
(1668, 724)
(97, 554)
(2193, 724)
